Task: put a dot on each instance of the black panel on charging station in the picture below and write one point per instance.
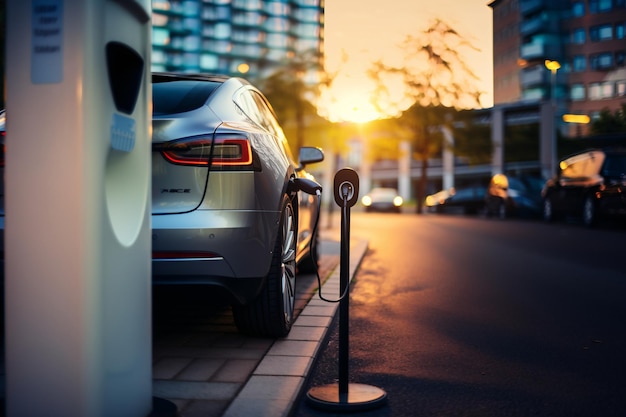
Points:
(125, 69)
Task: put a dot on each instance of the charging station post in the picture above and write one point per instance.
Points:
(345, 396)
(78, 241)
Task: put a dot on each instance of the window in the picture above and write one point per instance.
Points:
(577, 92)
(307, 15)
(191, 43)
(208, 62)
(578, 9)
(222, 31)
(599, 91)
(276, 8)
(605, 5)
(578, 36)
(601, 33)
(620, 29)
(601, 61)
(620, 88)
(276, 40)
(619, 58)
(579, 63)
(600, 6)
(160, 36)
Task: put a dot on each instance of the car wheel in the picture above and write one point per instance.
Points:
(272, 312)
(589, 212)
(548, 210)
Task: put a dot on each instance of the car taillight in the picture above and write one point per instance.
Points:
(197, 152)
(232, 152)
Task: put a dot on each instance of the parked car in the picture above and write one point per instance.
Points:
(382, 199)
(467, 200)
(590, 185)
(514, 196)
(226, 206)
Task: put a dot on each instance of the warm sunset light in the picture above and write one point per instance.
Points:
(359, 32)
(349, 106)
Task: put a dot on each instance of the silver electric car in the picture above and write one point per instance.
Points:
(231, 207)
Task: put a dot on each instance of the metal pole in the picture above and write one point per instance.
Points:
(344, 304)
(554, 121)
(344, 396)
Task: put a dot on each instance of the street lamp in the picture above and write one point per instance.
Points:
(553, 66)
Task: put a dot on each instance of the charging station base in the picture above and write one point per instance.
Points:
(163, 408)
(359, 397)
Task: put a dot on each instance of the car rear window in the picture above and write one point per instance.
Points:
(615, 166)
(180, 96)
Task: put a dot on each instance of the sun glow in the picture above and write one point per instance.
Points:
(343, 102)
(352, 109)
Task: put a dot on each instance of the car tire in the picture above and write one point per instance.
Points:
(589, 214)
(272, 312)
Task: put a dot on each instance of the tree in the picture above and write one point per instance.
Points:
(434, 79)
(291, 97)
(609, 122)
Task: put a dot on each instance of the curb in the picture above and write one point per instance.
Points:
(277, 382)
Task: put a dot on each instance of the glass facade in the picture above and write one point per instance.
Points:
(249, 38)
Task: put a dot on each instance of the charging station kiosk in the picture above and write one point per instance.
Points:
(77, 281)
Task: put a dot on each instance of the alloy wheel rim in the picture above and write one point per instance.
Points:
(288, 265)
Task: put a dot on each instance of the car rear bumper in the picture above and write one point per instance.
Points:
(231, 249)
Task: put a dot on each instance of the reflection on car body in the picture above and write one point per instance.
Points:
(468, 200)
(590, 185)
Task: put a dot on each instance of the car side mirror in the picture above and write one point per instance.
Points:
(309, 155)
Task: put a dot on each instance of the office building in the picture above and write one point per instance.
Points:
(586, 37)
(235, 37)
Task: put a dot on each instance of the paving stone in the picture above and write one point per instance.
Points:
(220, 391)
(168, 368)
(235, 370)
(201, 370)
(284, 366)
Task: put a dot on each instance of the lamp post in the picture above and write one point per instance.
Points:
(553, 66)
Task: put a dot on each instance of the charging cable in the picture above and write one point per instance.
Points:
(346, 191)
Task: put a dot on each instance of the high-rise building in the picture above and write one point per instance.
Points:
(235, 37)
(586, 37)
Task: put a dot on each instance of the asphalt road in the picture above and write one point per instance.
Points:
(467, 316)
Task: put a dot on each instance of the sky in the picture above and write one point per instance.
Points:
(364, 31)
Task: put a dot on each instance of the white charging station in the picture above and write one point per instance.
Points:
(77, 281)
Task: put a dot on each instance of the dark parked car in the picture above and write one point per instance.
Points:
(590, 185)
(382, 199)
(467, 200)
(514, 196)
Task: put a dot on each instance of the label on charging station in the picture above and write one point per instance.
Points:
(47, 42)
(122, 133)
